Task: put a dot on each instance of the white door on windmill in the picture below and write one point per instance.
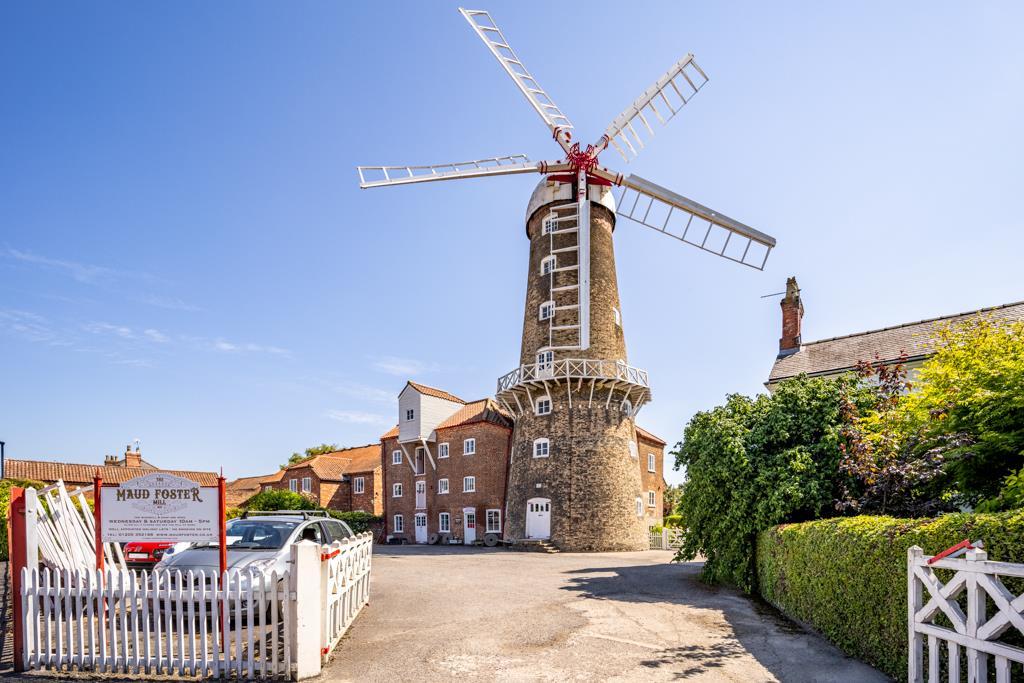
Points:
(469, 525)
(421, 494)
(538, 518)
(421, 527)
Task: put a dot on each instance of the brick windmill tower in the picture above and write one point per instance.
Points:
(574, 475)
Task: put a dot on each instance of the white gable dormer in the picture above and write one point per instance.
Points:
(419, 413)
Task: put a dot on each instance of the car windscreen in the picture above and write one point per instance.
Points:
(255, 534)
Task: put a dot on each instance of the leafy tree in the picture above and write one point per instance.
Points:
(754, 463)
(670, 499)
(894, 466)
(310, 452)
(974, 386)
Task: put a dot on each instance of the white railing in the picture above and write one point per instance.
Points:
(974, 634)
(159, 623)
(667, 539)
(573, 368)
(345, 576)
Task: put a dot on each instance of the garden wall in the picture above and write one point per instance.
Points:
(847, 577)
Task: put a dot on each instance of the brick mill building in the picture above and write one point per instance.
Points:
(446, 467)
(348, 479)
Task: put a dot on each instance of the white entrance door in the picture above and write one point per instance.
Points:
(538, 518)
(469, 525)
(421, 494)
(421, 528)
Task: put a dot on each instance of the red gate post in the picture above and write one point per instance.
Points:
(17, 561)
(97, 516)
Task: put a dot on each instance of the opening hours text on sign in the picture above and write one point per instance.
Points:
(159, 507)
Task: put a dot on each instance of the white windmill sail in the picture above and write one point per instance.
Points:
(378, 176)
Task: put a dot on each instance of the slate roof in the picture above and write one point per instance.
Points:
(73, 473)
(917, 340)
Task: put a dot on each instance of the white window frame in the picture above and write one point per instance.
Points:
(398, 524)
(546, 311)
(469, 447)
(627, 407)
(469, 484)
(268, 487)
(396, 490)
(442, 450)
(634, 452)
(618, 317)
(307, 484)
(541, 447)
(444, 523)
(542, 401)
(652, 462)
(545, 269)
(652, 499)
(396, 457)
(442, 486)
(293, 485)
(545, 360)
(488, 529)
(639, 506)
(359, 485)
(549, 224)
(410, 414)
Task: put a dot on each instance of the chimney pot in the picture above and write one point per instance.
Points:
(132, 458)
(792, 319)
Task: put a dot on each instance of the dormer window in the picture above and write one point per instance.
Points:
(410, 414)
(547, 265)
(547, 310)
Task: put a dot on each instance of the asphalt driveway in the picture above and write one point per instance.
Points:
(442, 614)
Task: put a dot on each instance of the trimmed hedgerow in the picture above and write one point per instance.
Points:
(847, 577)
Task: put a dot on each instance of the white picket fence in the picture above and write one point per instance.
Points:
(162, 623)
(974, 635)
(667, 539)
(345, 577)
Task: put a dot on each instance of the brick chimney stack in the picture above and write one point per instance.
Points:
(132, 458)
(792, 318)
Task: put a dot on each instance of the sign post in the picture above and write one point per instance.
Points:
(17, 557)
(97, 515)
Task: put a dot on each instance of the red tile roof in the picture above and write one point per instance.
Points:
(71, 473)
(477, 411)
(436, 393)
(917, 340)
(333, 466)
(390, 434)
(647, 436)
(242, 489)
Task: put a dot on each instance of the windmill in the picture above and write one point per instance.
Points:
(573, 473)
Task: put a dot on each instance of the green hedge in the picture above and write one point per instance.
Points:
(847, 577)
(5, 503)
(357, 520)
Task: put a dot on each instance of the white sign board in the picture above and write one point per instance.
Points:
(159, 507)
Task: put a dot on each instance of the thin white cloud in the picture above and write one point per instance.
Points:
(220, 344)
(83, 272)
(358, 417)
(364, 392)
(403, 367)
(167, 302)
(106, 328)
(30, 326)
(156, 335)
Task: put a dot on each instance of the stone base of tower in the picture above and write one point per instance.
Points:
(588, 485)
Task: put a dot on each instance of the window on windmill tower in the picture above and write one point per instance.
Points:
(547, 310)
(544, 360)
(618, 317)
(627, 408)
(541, 448)
(543, 405)
(547, 265)
(549, 225)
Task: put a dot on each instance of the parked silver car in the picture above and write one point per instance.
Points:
(258, 541)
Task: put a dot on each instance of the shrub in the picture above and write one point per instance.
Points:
(847, 577)
(279, 499)
(358, 520)
(674, 521)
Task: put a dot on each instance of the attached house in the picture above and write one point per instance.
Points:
(838, 355)
(346, 480)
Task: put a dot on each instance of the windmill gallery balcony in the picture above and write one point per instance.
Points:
(586, 380)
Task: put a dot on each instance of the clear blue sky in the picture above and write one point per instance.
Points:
(185, 257)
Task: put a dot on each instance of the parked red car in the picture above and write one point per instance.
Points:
(144, 554)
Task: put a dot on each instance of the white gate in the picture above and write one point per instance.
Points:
(160, 623)
(345, 572)
(667, 539)
(974, 634)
